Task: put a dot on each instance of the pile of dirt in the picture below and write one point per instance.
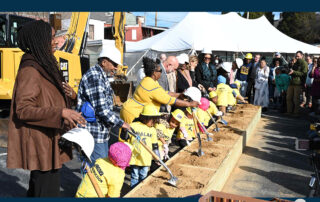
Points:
(194, 172)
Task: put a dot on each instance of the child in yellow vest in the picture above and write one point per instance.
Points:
(165, 131)
(213, 110)
(186, 131)
(108, 172)
(146, 131)
(223, 91)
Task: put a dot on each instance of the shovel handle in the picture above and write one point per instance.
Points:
(195, 122)
(146, 147)
(94, 183)
(204, 128)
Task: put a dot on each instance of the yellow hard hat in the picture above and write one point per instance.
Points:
(150, 110)
(248, 56)
(189, 110)
(237, 83)
(178, 114)
(213, 94)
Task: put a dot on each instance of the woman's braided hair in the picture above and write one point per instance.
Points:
(35, 38)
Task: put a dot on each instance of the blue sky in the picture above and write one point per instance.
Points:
(168, 19)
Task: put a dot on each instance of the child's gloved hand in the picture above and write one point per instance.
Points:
(166, 149)
(219, 113)
(184, 132)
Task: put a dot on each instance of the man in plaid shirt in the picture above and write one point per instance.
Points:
(95, 89)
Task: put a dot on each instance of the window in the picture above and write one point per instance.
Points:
(91, 32)
(134, 34)
(3, 37)
(15, 22)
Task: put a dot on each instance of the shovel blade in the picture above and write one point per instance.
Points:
(224, 121)
(216, 129)
(173, 181)
(200, 152)
(209, 139)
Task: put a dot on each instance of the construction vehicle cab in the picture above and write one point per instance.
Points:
(72, 62)
(10, 54)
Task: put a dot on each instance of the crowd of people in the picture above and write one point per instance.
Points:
(175, 96)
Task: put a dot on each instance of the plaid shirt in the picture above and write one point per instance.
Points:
(95, 88)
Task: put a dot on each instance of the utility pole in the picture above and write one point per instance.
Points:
(248, 15)
(155, 23)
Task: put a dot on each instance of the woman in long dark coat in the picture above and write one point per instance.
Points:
(40, 112)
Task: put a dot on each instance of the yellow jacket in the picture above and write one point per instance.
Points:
(148, 92)
(223, 91)
(167, 134)
(213, 110)
(203, 116)
(188, 125)
(109, 177)
(148, 135)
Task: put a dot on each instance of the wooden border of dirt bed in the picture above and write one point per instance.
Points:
(221, 173)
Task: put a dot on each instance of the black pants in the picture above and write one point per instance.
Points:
(250, 88)
(316, 104)
(44, 184)
(182, 143)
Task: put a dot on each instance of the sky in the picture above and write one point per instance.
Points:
(169, 19)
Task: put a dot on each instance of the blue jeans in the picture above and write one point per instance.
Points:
(243, 88)
(100, 151)
(138, 173)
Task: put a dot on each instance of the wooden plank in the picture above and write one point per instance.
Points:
(226, 196)
(225, 169)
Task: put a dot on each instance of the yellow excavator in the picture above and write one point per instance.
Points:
(72, 62)
(121, 87)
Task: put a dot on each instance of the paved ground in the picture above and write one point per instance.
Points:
(270, 166)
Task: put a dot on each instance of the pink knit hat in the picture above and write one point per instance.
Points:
(120, 155)
(204, 104)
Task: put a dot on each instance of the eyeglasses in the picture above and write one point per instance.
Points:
(160, 70)
(206, 58)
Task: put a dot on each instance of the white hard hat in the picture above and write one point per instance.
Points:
(239, 62)
(112, 53)
(206, 51)
(194, 93)
(226, 66)
(83, 138)
(183, 58)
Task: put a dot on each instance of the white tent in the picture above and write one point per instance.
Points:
(228, 32)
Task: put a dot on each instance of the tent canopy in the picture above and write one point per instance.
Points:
(227, 32)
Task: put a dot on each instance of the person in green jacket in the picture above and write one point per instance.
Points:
(298, 75)
(282, 82)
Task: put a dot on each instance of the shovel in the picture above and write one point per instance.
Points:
(204, 129)
(223, 121)
(200, 152)
(216, 129)
(91, 177)
(173, 180)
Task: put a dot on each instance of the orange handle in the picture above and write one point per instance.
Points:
(94, 183)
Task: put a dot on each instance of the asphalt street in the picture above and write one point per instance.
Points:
(270, 166)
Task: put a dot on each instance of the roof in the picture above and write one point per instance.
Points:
(156, 28)
(225, 32)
